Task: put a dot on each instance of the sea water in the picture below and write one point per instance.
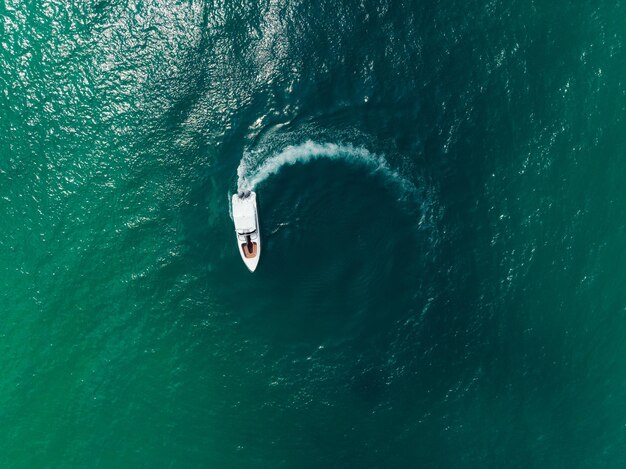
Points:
(440, 192)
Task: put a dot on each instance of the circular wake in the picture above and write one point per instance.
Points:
(253, 169)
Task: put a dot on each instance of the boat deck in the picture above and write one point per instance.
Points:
(246, 252)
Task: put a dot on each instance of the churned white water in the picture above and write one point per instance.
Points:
(254, 169)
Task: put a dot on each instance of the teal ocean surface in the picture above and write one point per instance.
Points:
(443, 214)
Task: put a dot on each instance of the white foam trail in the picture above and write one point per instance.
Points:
(250, 176)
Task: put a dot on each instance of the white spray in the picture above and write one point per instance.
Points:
(250, 173)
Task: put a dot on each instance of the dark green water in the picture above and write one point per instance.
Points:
(443, 212)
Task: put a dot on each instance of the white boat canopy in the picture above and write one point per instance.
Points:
(244, 216)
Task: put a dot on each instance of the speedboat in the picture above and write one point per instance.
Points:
(246, 218)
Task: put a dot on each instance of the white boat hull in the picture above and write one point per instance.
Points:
(247, 233)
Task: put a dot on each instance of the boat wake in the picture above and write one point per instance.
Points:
(253, 170)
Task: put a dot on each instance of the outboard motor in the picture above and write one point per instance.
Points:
(241, 194)
(246, 194)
